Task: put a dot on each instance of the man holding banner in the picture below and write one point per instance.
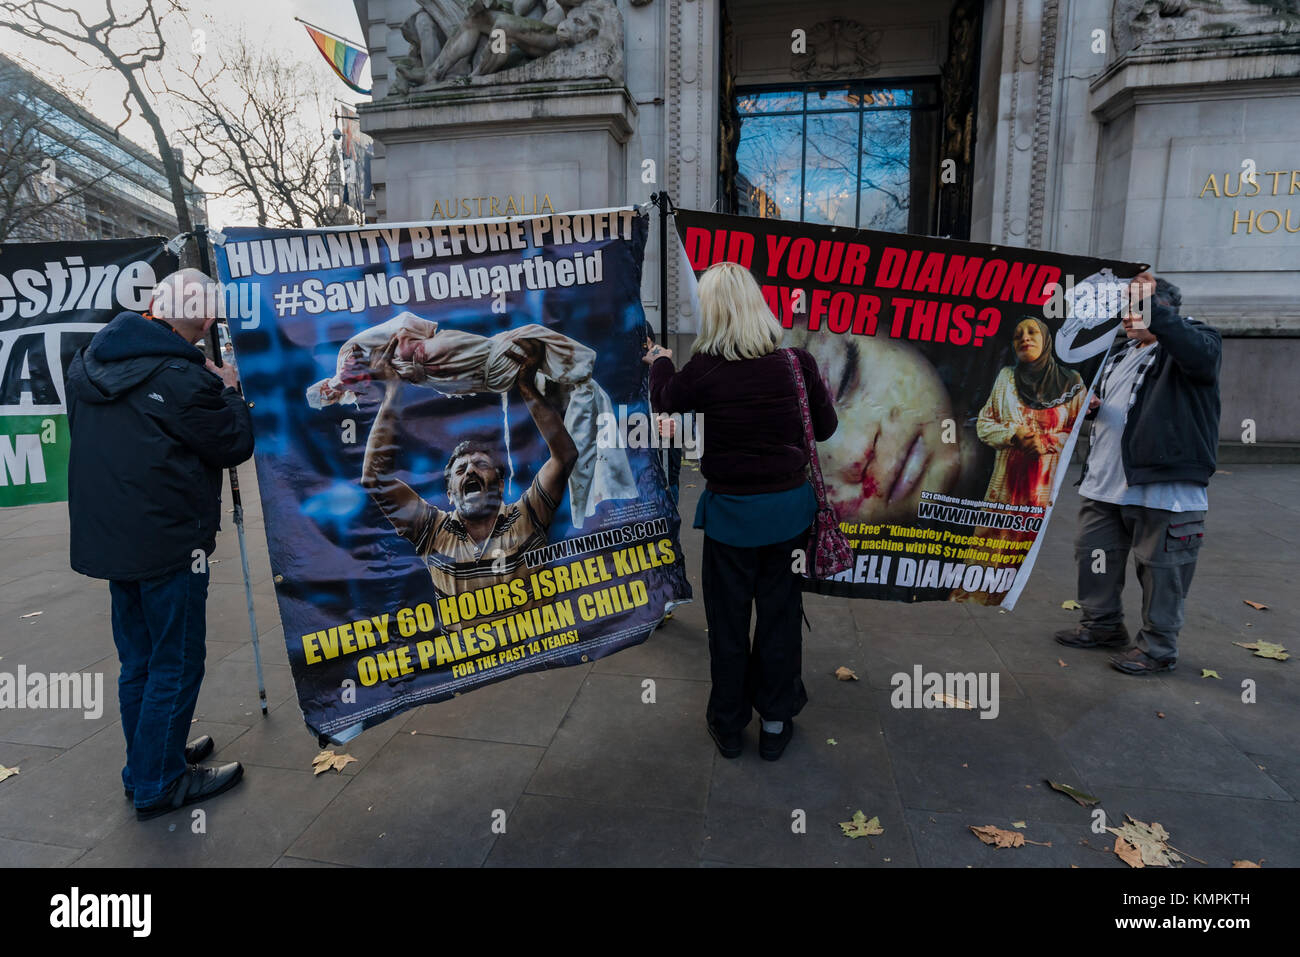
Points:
(152, 430)
(1143, 487)
(482, 541)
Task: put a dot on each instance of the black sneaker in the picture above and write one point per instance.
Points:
(1081, 637)
(771, 746)
(196, 751)
(1135, 661)
(196, 784)
(728, 742)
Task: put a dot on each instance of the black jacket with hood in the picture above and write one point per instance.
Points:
(151, 431)
(1171, 433)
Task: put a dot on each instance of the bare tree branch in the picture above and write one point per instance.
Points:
(270, 146)
(137, 48)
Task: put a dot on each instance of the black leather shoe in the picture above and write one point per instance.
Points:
(1081, 637)
(728, 742)
(196, 751)
(196, 784)
(1135, 661)
(771, 746)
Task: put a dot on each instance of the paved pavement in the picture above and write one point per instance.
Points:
(588, 774)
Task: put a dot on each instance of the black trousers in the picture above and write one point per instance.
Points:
(763, 675)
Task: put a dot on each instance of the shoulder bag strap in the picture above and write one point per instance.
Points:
(810, 441)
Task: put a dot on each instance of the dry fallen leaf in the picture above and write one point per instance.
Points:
(1258, 606)
(861, 827)
(328, 759)
(1160, 714)
(1018, 824)
(1127, 853)
(1071, 605)
(997, 837)
(7, 772)
(1265, 649)
(845, 674)
(1143, 845)
(1209, 673)
(1061, 662)
(954, 702)
(1248, 863)
(1084, 800)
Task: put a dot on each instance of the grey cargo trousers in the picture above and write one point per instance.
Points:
(1165, 547)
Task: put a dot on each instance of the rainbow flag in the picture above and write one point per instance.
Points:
(347, 59)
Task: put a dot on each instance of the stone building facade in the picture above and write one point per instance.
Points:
(105, 185)
(1166, 131)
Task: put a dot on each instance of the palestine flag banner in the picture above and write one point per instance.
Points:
(53, 298)
(452, 452)
(960, 373)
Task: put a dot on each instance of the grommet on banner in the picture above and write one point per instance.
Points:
(176, 243)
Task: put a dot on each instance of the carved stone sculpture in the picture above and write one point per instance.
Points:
(1162, 21)
(504, 41)
(838, 47)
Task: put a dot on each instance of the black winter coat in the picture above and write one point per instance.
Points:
(151, 431)
(1172, 431)
(753, 436)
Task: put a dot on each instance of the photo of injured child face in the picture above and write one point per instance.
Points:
(892, 405)
(483, 539)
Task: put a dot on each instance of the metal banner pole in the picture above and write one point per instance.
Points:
(663, 202)
(214, 346)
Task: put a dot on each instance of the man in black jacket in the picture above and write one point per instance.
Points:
(1154, 441)
(152, 429)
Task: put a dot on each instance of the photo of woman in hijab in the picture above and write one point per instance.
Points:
(1028, 418)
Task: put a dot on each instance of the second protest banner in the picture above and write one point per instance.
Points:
(54, 297)
(960, 374)
(450, 493)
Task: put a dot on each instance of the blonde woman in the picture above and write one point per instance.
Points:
(757, 506)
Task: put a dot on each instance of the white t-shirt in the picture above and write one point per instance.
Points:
(1105, 480)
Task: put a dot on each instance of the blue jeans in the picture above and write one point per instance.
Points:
(160, 632)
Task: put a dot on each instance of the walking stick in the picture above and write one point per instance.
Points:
(214, 346)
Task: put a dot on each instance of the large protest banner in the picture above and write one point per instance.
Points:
(960, 373)
(453, 452)
(53, 298)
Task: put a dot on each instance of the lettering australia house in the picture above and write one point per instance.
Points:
(1163, 132)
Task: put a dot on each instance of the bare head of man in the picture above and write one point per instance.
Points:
(475, 480)
(189, 302)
